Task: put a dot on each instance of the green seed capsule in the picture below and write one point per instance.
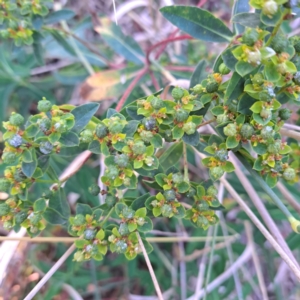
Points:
(101, 131)
(212, 191)
(223, 69)
(146, 136)
(4, 209)
(94, 190)
(4, 185)
(270, 8)
(177, 178)
(267, 132)
(247, 131)
(157, 103)
(16, 119)
(111, 200)
(216, 173)
(112, 172)
(230, 130)
(89, 234)
(170, 195)
(284, 114)
(223, 118)
(177, 93)
(138, 148)
(149, 123)
(181, 115)
(279, 43)
(128, 213)
(212, 87)
(79, 220)
(221, 155)
(45, 125)
(289, 174)
(44, 105)
(167, 210)
(189, 128)
(123, 229)
(121, 160)
(275, 147)
(258, 79)
(250, 37)
(203, 206)
(121, 246)
(86, 136)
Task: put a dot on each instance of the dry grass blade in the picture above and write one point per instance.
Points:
(288, 197)
(262, 228)
(49, 274)
(256, 261)
(262, 209)
(151, 271)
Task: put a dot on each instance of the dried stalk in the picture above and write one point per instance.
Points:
(256, 262)
(151, 271)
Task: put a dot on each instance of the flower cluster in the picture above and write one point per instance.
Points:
(18, 19)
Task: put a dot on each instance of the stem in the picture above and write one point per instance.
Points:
(262, 228)
(256, 261)
(210, 262)
(151, 271)
(131, 86)
(207, 122)
(149, 239)
(294, 222)
(290, 133)
(185, 164)
(276, 28)
(107, 217)
(288, 197)
(49, 274)
(165, 42)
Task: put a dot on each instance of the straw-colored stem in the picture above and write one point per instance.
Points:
(151, 271)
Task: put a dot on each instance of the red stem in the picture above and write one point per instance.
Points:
(201, 3)
(131, 86)
(165, 42)
(154, 81)
(180, 68)
(162, 49)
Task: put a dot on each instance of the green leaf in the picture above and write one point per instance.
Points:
(183, 187)
(39, 205)
(54, 137)
(234, 88)
(140, 201)
(271, 180)
(217, 110)
(257, 107)
(95, 147)
(130, 128)
(69, 139)
(180, 212)
(228, 167)
(197, 22)
(83, 115)
(32, 130)
(59, 15)
(271, 72)
(29, 168)
(229, 59)
(247, 19)
(171, 156)
(156, 141)
(156, 211)
(125, 46)
(62, 42)
(244, 68)
(245, 103)
(132, 227)
(192, 139)
(177, 132)
(141, 212)
(231, 142)
(58, 201)
(258, 165)
(260, 148)
(239, 7)
(260, 120)
(119, 207)
(148, 226)
(26, 156)
(199, 73)
(83, 209)
(271, 21)
(53, 217)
